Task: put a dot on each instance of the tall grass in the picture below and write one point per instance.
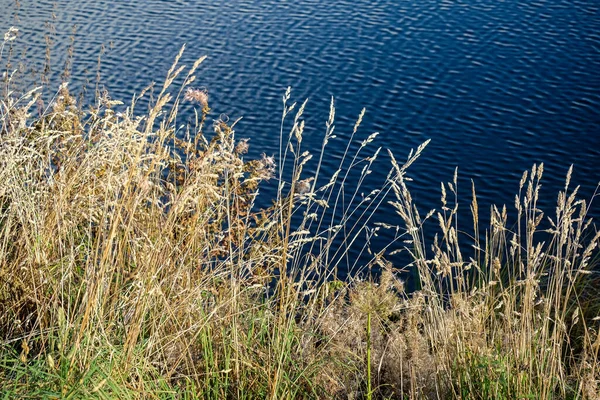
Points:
(134, 263)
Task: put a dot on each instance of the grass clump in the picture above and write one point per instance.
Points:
(134, 263)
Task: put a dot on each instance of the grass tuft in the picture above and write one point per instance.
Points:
(134, 263)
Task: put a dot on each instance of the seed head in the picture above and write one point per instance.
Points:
(241, 147)
(303, 186)
(199, 96)
(267, 167)
(11, 34)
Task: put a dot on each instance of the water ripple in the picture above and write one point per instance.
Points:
(497, 85)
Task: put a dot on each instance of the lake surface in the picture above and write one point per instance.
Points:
(496, 84)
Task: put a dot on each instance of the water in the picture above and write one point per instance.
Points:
(497, 85)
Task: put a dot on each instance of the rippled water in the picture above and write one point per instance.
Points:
(496, 84)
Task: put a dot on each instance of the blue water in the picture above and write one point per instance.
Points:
(496, 84)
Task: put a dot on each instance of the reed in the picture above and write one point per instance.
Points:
(134, 263)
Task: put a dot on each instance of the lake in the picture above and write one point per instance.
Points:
(496, 84)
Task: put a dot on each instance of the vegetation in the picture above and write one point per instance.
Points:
(135, 264)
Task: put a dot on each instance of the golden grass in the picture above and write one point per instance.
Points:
(134, 264)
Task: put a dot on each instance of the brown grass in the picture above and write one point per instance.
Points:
(134, 264)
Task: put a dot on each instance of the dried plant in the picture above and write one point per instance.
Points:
(135, 264)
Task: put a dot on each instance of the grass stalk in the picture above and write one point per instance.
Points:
(134, 263)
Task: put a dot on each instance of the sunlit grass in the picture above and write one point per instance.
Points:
(135, 264)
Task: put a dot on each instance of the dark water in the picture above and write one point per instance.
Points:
(496, 84)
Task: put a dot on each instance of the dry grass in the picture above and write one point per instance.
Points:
(134, 264)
